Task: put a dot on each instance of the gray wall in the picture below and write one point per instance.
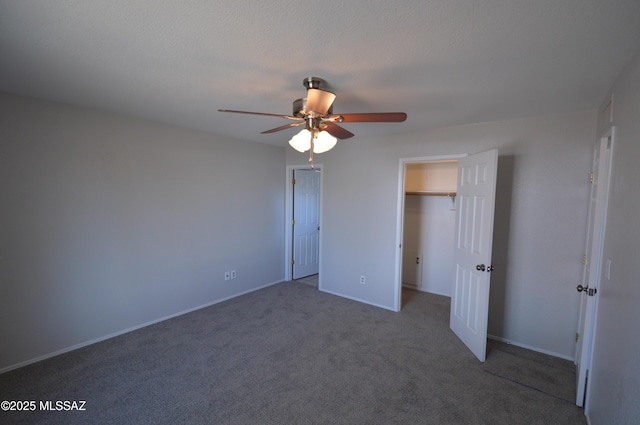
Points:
(108, 223)
(540, 219)
(614, 392)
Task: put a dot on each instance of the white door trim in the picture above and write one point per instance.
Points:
(402, 166)
(288, 214)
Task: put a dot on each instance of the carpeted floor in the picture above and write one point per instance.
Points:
(550, 375)
(309, 280)
(287, 354)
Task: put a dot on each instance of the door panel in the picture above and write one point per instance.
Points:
(306, 227)
(601, 170)
(472, 252)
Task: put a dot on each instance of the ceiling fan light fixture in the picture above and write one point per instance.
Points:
(301, 141)
(321, 143)
(324, 142)
(315, 112)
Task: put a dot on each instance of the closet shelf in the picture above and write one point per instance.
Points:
(452, 194)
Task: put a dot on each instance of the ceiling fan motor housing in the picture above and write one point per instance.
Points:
(300, 108)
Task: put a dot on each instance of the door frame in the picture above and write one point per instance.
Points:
(288, 216)
(402, 166)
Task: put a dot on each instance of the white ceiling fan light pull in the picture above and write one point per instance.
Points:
(311, 149)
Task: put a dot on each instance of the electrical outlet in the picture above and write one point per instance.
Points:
(362, 280)
(233, 274)
(227, 275)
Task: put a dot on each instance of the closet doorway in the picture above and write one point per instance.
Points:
(472, 241)
(429, 225)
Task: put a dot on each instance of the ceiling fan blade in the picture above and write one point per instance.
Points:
(257, 113)
(374, 117)
(336, 131)
(283, 127)
(319, 101)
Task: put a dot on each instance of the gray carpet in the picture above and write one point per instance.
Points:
(549, 375)
(309, 280)
(287, 354)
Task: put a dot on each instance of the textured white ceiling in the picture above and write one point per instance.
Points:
(444, 62)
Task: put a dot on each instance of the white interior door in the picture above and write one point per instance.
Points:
(472, 250)
(306, 223)
(591, 276)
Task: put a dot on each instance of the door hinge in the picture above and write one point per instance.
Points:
(584, 260)
(293, 181)
(577, 336)
(293, 222)
(292, 262)
(592, 177)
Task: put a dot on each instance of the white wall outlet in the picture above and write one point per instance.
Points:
(233, 274)
(227, 275)
(362, 280)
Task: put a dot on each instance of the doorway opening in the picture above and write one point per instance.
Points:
(429, 226)
(427, 199)
(472, 240)
(303, 216)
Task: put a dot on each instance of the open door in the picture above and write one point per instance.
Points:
(601, 172)
(472, 250)
(306, 223)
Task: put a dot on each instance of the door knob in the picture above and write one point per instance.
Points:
(480, 267)
(589, 291)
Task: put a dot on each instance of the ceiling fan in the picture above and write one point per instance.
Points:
(315, 113)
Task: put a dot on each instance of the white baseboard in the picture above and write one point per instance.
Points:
(356, 299)
(131, 329)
